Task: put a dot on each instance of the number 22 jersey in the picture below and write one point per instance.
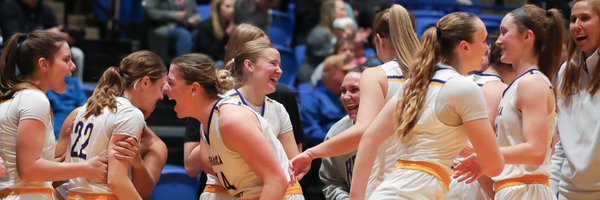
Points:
(90, 137)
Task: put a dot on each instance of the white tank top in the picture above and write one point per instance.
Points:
(25, 104)
(273, 111)
(482, 78)
(509, 127)
(233, 173)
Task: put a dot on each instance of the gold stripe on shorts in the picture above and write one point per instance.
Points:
(91, 196)
(32, 190)
(215, 189)
(523, 180)
(294, 188)
(431, 168)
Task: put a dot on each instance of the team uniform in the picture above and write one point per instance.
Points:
(336, 172)
(279, 122)
(462, 190)
(574, 165)
(232, 171)
(387, 152)
(25, 104)
(518, 181)
(91, 137)
(425, 158)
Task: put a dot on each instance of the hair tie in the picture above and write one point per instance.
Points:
(438, 31)
(21, 39)
(548, 13)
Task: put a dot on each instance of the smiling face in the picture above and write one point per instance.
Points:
(149, 93)
(510, 41)
(59, 68)
(265, 71)
(351, 93)
(583, 25)
(179, 91)
(478, 47)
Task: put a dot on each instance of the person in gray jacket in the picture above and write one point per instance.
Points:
(336, 172)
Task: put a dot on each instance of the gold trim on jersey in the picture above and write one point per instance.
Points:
(428, 167)
(523, 180)
(91, 196)
(31, 190)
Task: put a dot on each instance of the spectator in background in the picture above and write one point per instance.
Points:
(319, 43)
(25, 16)
(171, 22)
(321, 107)
(63, 104)
(213, 33)
(344, 46)
(255, 12)
(336, 172)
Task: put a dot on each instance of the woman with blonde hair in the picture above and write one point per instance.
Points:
(531, 40)
(214, 32)
(236, 150)
(395, 41)
(124, 97)
(573, 176)
(436, 112)
(320, 40)
(43, 61)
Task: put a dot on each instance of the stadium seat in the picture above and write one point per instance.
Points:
(426, 19)
(300, 51)
(281, 29)
(204, 10)
(175, 183)
(289, 65)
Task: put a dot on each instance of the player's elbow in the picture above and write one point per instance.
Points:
(538, 157)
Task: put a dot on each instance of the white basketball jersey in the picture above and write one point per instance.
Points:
(25, 104)
(509, 127)
(232, 171)
(91, 137)
(482, 78)
(387, 152)
(271, 110)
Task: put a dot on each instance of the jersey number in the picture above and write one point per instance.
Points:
(225, 182)
(83, 134)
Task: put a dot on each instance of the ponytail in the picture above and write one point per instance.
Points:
(403, 37)
(549, 58)
(439, 43)
(22, 51)
(110, 86)
(409, 107)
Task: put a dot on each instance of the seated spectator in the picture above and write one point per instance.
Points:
(213, 33)
(320, 40)
(25, 16)
(343, 46)
(321, 107)
(255, 12)
(63, 104)
(171, 23)
(336, 172)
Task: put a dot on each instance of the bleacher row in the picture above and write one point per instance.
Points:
(174, 182)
